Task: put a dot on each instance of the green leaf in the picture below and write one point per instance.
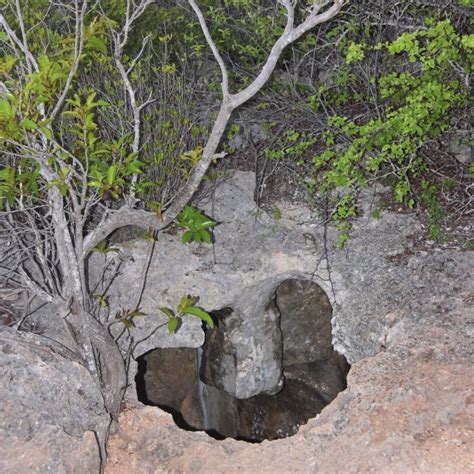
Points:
(187, 237)
(95, 184)
(169, 313)
(205, 236)
(136, 313)
(128, 323)
(111, 174)
(208, 223)
(6, 110)
(58, 75)
(173, 325)
(101, 103)
(201, 314)
(355, 52)
(97, 43)
(100, 247)
(47, 133)
(468, 41)
(29, 124)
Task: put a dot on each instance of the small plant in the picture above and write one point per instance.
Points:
(103, 248)
(197, 225)
(187, 306)
(126, 317)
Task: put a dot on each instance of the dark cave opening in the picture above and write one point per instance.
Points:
(313, 374)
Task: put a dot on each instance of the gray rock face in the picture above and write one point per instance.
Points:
(234, 349)
(460, 146)
(377, 281)
(243, 354)
(293, 328)
(51, 412)
(305, 321)
(252, 255)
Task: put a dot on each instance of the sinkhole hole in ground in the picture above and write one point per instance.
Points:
(312, 372)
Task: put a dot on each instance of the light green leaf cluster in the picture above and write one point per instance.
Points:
(417, 101)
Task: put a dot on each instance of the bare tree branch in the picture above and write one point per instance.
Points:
(78, 44)
(215, 51)
(24, 49)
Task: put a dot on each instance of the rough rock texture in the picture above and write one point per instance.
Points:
(252, 255)
(272, 328)
(167, 375)
(410, 408)
(401, 316)
(51, 412)
(278, 416)
(243, 355)
(327, 377)
(305, 321)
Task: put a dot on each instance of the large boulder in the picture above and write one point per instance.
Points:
(243, 354)
(52, 416)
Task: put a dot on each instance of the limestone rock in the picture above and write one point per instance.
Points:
(51, 411)
(407, 409)
(325, 377)
(460, 146)
(305, 321)
(169, 375)
(379, 273)
(243, 354)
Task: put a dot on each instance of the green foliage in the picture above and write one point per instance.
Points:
(416, 98)
(292, 144)
(187, 306)
(197, 225)
(103, 248)
(126, 317)
(355, 52)
(76, 143)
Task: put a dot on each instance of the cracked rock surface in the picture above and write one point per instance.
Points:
(403, 319)
(51, 411)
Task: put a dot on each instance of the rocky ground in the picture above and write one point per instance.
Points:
(402, 316)
(407, 409)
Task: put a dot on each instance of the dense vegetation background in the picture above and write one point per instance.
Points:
(378, 94)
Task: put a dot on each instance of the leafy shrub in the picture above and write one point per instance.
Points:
(197, 225)
(416, 98)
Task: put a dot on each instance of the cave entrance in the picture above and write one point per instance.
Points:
(313, 374)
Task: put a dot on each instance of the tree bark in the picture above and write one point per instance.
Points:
(101, 356)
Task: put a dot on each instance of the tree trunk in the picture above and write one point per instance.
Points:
(101, 356)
